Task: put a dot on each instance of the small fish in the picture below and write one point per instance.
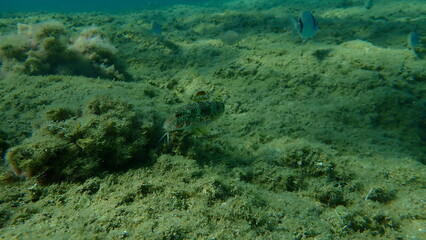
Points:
(368, 4)
(306, 25)
(193, 115)
(156, 28)
(413, 40)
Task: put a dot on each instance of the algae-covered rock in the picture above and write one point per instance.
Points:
(39, 155)
(107, 136)
(35, 49)
(93, 46)
(46, 48)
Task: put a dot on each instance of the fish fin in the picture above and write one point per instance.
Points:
(201, 96)
(165, 136)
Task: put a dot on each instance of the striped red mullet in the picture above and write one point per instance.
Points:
(193, 115)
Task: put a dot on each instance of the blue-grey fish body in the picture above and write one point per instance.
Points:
(156, 28)
(305, 26)
(368, 4)
(413, 40)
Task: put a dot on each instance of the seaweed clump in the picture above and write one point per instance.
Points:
(45, 48)
(108, 135)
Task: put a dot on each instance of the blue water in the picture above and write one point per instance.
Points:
(88, 5)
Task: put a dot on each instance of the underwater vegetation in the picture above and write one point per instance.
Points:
(107, 135)
(3, 144)
(46, 48)
(321, 136)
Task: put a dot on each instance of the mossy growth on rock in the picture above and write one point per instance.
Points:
(50, 48)
(107, 135)
(3, 144)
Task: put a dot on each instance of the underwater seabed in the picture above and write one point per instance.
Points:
(321, 138)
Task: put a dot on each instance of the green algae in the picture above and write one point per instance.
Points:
(321, 140)
(49, 48)
(106, 136)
